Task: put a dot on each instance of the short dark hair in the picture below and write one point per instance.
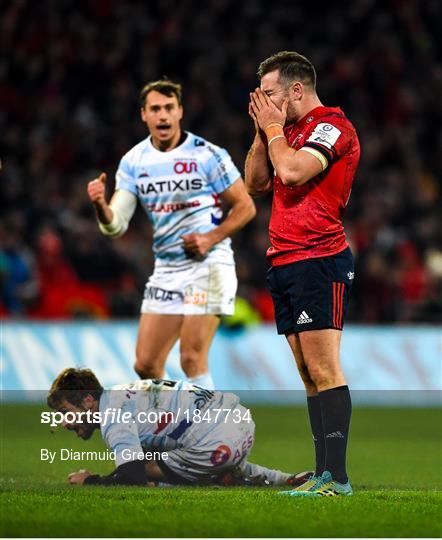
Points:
(163, 86)
(73, 385)
(292, 66)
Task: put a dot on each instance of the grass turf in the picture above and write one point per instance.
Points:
(395, 467)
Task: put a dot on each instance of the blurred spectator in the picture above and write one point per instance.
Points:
(70, 73)
(18, 281)
(62, 294)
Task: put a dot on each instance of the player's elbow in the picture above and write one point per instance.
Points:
(260, 189)
(253, 192)
(250, 209)
(111, 232)
(292, 177)
(117, 227)
(246, 209)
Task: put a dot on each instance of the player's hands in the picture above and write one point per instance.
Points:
(97, 190)
(78, 477)
(197, 244)
(253, 117)
(265, 111)
(259, 132)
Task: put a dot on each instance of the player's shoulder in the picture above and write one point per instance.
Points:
(118, 392)
(334, 116)
(136, 151)
(202, 146)
(330, 126)
(120, 395)
(141, 384)
(149, 384)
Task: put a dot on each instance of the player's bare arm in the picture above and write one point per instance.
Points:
(258, 178)
(293, 167)
(242, 211)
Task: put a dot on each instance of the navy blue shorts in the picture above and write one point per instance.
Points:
(312, 294)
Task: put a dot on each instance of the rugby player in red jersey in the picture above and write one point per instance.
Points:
(308, 154)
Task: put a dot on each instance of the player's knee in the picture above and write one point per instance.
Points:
(148, 371)
(310, 386)
(317, 374)
(307, 380)
(191, 361)
(322, 376)
(148, 367)
(305, 375)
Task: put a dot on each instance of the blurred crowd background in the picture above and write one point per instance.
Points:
(70, 74)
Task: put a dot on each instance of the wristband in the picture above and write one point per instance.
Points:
(274, 138)
(115, 228)
(92, 479)
(274, 124)
(273, 129)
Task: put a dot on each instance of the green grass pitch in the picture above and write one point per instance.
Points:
(395, 466)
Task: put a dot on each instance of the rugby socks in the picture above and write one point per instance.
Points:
(336, 413)
(166, 375)
(314, 412)
(205, 381)
(262, 476)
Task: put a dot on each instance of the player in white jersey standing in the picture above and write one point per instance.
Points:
(180, 180)
(161, 431)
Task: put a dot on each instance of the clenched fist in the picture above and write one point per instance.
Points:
(197, 244)
(97, 190)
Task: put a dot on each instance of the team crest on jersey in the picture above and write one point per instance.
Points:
(221, 455)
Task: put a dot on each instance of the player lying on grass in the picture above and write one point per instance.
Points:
(204, 437)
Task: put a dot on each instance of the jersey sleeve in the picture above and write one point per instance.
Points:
(221, 171)
(328, 141)
(125, 178)
(121, 436)
(132, 473)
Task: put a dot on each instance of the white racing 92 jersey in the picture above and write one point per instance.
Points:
(179, 190)
(160, 415)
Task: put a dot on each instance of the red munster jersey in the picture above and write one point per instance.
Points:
(306, 220)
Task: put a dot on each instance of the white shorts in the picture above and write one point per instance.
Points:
(200, 289)
(222, 450)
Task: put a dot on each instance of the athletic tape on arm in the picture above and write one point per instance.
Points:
(123, 207)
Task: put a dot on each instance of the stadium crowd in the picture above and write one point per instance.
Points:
(70, 73)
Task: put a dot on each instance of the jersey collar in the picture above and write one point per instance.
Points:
(184, 139)
(312, 115)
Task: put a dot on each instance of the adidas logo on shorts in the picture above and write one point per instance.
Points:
(304, 318)
(335, 435)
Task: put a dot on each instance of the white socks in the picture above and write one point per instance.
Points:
(262, 476)
(205, 381)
